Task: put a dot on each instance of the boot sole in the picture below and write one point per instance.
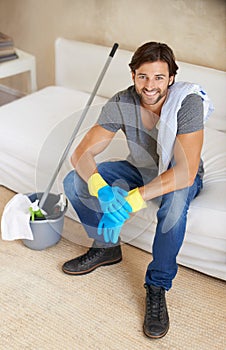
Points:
(76, 273)
(155, 336)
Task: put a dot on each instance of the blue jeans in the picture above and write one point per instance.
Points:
(171, 215)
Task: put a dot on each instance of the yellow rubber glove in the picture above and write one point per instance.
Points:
(95, 183)
(135, 200)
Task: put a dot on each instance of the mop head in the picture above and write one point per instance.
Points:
(36, 212)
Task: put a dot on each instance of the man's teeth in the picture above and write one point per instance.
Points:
(150, 93)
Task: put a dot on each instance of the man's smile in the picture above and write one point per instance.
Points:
(150, 93)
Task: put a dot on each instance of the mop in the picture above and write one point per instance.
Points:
(67, 149)
(35, 210)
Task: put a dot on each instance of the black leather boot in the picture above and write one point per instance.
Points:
(95, 257)
(156, 321)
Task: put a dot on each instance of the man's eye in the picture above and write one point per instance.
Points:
(142, 77)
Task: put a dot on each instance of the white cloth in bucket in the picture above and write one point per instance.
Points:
(15, 223)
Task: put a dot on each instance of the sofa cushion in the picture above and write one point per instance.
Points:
(34, 132)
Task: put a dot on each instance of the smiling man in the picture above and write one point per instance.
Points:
(163, 124)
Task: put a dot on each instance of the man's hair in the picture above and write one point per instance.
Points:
(152, 52)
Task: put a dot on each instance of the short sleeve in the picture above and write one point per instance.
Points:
(110, 117)
(190, 115)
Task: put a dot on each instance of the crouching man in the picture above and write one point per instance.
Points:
(163, 124)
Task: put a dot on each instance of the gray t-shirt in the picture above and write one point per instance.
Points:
(123, 111)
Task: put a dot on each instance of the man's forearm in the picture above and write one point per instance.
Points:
(85, 165)
(93, 143)
(171, 180)
(187, 151)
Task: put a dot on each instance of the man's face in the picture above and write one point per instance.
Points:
(151, 81)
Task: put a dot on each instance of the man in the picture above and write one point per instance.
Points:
(163, 124)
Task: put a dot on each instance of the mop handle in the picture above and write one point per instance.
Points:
(88, 104)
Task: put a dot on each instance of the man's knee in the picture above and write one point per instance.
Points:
(175, 200)
(173, 208)
(68, 182)
(115, 173)
(74, 184)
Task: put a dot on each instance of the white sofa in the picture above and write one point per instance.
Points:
(36, 128)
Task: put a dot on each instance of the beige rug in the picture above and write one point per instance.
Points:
(42, 308)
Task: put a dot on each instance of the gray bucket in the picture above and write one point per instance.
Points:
(46, 231)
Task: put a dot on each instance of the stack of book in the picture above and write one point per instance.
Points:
(7, 50)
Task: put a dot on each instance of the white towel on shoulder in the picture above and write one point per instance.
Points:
(168, 120)
(15, 223)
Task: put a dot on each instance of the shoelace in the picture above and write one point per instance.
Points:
(92, 252)
(155, 303)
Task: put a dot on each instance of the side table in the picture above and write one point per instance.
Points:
(24, 63)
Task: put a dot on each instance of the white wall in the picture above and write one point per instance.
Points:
(195, 29)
